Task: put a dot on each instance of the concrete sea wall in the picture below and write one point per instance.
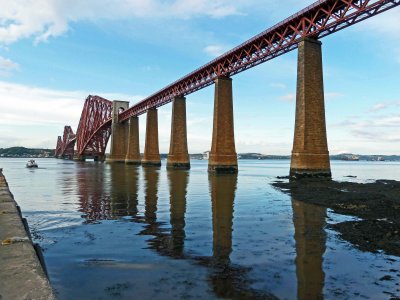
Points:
(22, 275)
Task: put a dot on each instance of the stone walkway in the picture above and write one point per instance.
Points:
(21, 273)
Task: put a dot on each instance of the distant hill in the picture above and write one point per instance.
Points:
(344, 156)
(29, 152)
(25, 152)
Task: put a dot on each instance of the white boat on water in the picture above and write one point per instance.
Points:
(31, 164)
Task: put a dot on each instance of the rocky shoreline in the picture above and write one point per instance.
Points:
(376, 204)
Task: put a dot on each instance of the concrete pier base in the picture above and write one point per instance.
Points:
(178, 157)
(223, 157)
(151, 156)
(119, 134)
(133, 152)
(310, 156)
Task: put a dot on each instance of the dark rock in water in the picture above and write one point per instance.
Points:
(376, 200)
(377, 203)
(386, 278)
(371, 235)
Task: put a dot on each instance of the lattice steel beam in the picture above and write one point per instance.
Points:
(67, 142)
(58, 147)
(317, 20)
(94, 128)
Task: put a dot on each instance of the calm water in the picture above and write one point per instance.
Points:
(126, 232)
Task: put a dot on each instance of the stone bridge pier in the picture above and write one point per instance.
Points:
(119, 134)
(178, 157)
(133, 150)
(151, 156)
(223, 157)
(310, 156)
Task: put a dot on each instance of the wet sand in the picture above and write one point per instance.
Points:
(376, 204)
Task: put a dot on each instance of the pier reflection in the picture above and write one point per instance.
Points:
(309, 222)
(103, 197)
(178, 182)
(222, 190)
(115, 196)
(167, 242)
(151, 227)
(92, 195)
(228, 280)
(151, 178)
(124, 190)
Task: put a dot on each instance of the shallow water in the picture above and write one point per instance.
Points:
(123, 232)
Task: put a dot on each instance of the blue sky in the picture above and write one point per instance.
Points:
(53, 53)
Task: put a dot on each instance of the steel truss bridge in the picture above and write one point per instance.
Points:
(318, 20)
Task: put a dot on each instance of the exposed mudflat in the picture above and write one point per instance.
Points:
(377, 204)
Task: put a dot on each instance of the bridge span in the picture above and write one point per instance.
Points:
(102, 119)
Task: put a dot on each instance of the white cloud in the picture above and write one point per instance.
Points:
(7, 66)
(384, 105)
(291, 97)
(386, 26)
(375, 129)
(188, 8)
(386, 23)
(378, 107)
(288, 98)
(32, 116)
(216, 50)
(43, 19)
(333, 95)
(278, 85)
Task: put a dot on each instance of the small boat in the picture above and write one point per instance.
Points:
(31, 164)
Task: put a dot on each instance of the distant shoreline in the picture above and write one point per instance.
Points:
(22, 152)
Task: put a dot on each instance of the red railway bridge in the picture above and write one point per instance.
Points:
(102, 119)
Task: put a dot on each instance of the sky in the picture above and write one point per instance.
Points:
(54, 53)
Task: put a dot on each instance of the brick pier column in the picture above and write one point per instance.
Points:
(310, 156)
(119, 134)
(151, 155)
(133, 152)
(178, 157)
(223, 157)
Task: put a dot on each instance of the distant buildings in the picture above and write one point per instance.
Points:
(206, 155)
(352, 157)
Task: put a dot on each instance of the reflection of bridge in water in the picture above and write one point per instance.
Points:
(228, 280)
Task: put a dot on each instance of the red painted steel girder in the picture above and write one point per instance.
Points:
(58, 147)
(317, 20)
(94, 127)
(68, 142)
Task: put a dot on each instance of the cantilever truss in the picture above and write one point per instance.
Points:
(317, 20)
(94, 127)
(67, 142)
(58, 147)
